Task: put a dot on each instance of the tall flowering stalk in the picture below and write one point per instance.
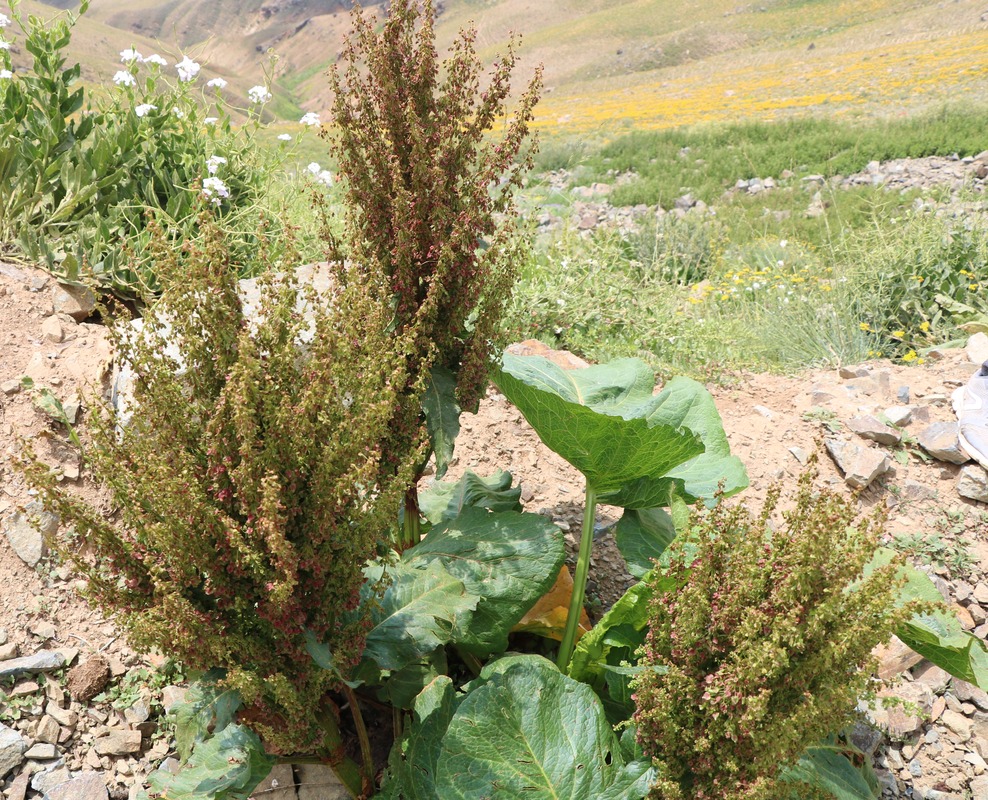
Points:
(428, 188)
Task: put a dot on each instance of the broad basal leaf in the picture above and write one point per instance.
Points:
(642, 536)
(829, 769)
(548, 616)
(444, 500)
(412, 765)
(531, 733)
(442, 416)
(207, 709)
(634, 448)
(939, 636)
(416, 615)
(506, 561)
(226, 766)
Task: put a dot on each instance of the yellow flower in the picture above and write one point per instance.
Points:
(924, 327)
(910, 356)
(898, 334)
(865, 327)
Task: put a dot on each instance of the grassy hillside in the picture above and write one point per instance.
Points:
(610, 64)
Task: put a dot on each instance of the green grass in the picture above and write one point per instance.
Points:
(759, 284)
(709, 160)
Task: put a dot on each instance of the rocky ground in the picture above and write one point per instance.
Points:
(81, 714)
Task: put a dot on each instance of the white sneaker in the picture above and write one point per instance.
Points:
(971, 406)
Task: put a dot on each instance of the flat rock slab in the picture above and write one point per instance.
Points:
(28, 530)
(42, 661)
(874, 429)
(119, 743)
(84, 786)
(860, 465)
(76, 301)
(977, 348)
(939, 439)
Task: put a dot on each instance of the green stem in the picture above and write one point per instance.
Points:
(411, 530)
(365, 748)
(579, 581)
(346, 769)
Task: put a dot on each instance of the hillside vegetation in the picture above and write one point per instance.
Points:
(609, 63)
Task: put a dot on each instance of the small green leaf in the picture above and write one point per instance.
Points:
(442, 416)
(642, 536)
(506, 560)
(444, 500)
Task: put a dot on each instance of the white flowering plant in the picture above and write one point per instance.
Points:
(159, 144)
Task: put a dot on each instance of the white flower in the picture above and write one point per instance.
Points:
(213, 163)
(311, 119)
(285, 137)
(215, 189)
(154, 58)
(124, 78)
(144, 109)
(325, 177)
(4, 45)
(258, 94)
(211, 120)
(4, 20)
(187, 69)
(178, 112)
(217, 83)
(130, 54)
(6, 74)
(314, 168)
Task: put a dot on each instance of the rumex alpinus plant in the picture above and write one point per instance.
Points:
(764, 637)
(428, 193)
(250, 482)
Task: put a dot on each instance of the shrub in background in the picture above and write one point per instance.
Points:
(764, 647)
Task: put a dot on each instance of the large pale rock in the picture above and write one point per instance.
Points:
(959, 725)
(76, 301)
(969, 693)
(973, 483)
(12, 748)
(977, 348)
(28, 530)
(939, 439)
(894, 658)
(902, 720)
(860, 465)
(84, 786)
(119, 743)
(319, 782)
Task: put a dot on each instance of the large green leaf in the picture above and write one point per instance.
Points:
(531, 733)
(506, 560)
(207, 709)
(416, 615)
(442, 416)
(444, 500)
(828, 768)
(936, 636)
(636, 449)
(227, 766)
(642, 536)
(412, 765)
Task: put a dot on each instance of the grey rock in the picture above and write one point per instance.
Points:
(27, 538)
(42, 661)
(917, 492)
(171, 696)
(933, 676)
(902, 394)
(12, 748)
(50, 777)
(860, 465)
(973, 483)
(119, 743)
(319, 782)
(939, 439)
(13, 386)
(875, 430)
(84, 786)
(800, 455)
(76, 301)
(866, 738)
(684, 203)
(278, 785)
(42, 751)
(968, 693)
